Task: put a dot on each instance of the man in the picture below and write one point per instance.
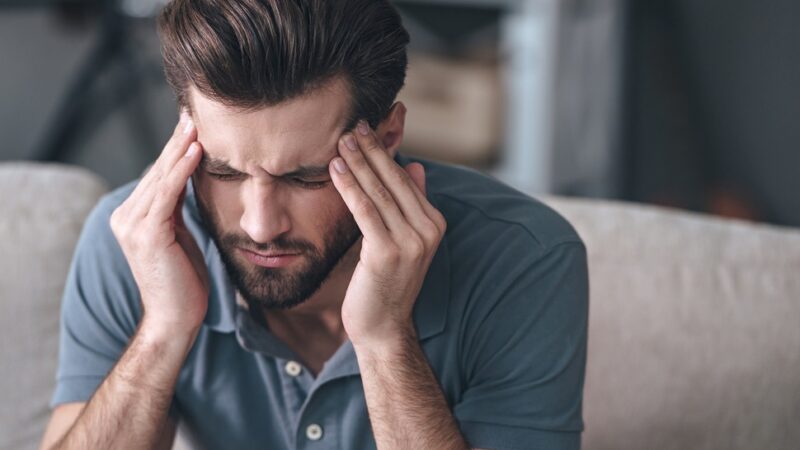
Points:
(282, 278)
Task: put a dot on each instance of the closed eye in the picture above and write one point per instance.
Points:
(309, 184)
(305, 184)
(225, 176)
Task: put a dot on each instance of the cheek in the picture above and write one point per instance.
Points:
(316, 215)
(223, 201)
(318, 208)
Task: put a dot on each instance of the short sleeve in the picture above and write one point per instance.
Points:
(99, 310)
(524, 358)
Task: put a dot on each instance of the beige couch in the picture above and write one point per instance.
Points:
(694, 333)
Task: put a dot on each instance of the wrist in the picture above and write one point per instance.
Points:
(153, 358)
(387, 345)
(160, 332)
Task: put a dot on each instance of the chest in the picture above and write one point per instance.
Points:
(312, 351)
(233, 398)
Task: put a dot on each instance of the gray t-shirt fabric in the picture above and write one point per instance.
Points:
(501, 317)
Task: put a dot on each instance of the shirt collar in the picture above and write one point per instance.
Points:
(430, 309)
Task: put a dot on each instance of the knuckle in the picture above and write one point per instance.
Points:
(390, 255)
(439, 221)
(357, 162)
(365, 207)
(158, 175)
(118, 222)
(431, 231)
(400, 176)
(414, 246)
(382, 194)
(115, 218)
(163, 190)
(372, 146)
(349, 183)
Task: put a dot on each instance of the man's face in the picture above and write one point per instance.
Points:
(255, 202)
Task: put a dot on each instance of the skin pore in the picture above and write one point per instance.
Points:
(264, 185)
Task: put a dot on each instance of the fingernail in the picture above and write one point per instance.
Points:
(189, 124)
(362, 127)
(350, 142)
(191, 151)
(339, 165)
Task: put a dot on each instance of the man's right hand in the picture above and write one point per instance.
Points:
(166, 262)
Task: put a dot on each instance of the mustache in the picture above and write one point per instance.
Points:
(279, 245)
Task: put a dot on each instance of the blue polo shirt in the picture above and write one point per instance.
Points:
(501, 317)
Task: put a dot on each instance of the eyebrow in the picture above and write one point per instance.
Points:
(212, 164)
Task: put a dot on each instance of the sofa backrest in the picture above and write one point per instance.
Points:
(42, 210)
(694, 330)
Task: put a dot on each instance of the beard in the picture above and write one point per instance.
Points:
(266, 288)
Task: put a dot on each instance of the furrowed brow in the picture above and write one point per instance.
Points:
(216, 165)
(306, 172)
(221, 166)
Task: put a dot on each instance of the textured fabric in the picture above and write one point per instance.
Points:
(501, 317)
(694, 340)
(42, 209)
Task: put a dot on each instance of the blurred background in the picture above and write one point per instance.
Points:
(684, 103)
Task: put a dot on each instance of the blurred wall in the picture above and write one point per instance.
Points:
(586, 147)
(41, 53)
(707, 99)
(713, 92)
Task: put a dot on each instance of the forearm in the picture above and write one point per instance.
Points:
(407, 408)
(129, 409)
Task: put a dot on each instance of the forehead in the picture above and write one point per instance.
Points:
(278, 138)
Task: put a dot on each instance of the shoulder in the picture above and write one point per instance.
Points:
(506, 252)
(98, 219)
(100, 284)
(483, 212)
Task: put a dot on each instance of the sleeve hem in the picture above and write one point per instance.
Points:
(503, 437)
(73, 389)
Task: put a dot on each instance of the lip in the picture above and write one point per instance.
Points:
(272, 260)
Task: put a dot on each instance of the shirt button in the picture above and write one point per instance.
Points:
(293, 368)
(314, 432)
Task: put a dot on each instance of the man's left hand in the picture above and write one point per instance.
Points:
(401, 232)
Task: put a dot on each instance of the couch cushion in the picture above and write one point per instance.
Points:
(42, 209)
(694, 336)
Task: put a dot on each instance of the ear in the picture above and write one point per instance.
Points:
(390, 130)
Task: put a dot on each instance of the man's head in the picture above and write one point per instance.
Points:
(254, 53)
(271, 86)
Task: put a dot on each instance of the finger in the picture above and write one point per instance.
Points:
(364, 211)
(417, 173)
(371, 184)
(420, 188)
(183, 135)
(187, 241)
(409, 197)
(177, 212)
(169, 189)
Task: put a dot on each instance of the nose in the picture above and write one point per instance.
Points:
(264, 218)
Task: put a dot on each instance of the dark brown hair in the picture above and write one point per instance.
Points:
(257, 53)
